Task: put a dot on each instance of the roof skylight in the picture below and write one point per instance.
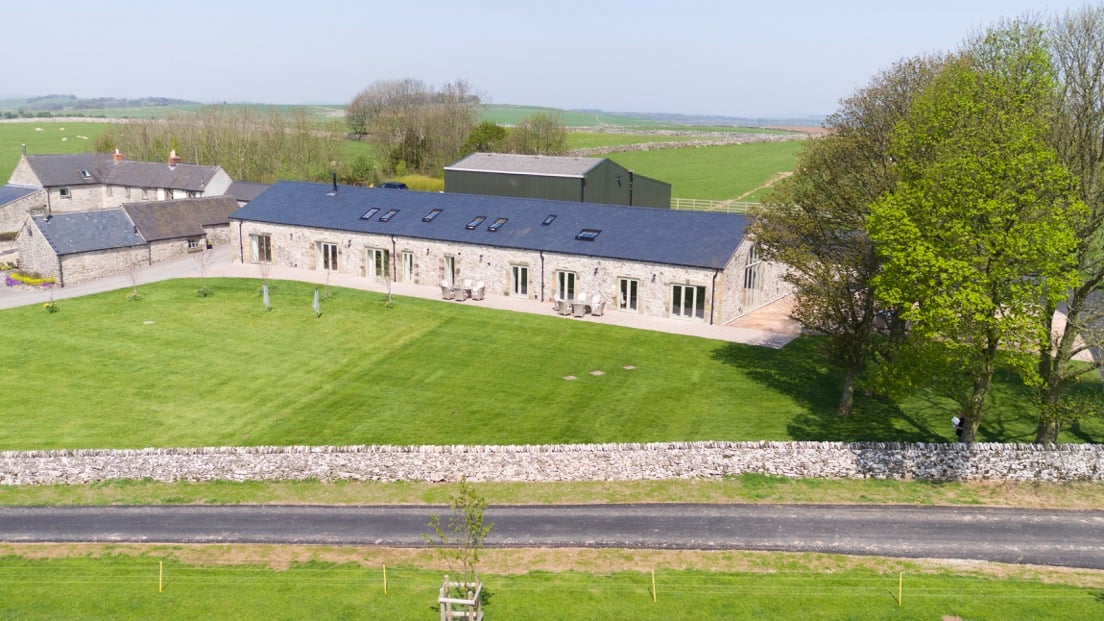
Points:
(497, 224)
(387, 216)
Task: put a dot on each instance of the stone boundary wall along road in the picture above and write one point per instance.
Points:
(582, 462)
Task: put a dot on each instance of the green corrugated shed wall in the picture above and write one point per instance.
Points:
(607, 182)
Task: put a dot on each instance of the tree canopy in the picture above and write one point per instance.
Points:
(978, 236)
(815, 221)
(262, 146)
(415, 128)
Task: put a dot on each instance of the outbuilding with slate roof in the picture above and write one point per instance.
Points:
(80, 246)
(176, 228)
(16, 203)
(77, 247)
(696, 266)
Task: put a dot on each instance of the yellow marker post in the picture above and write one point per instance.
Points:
(385, 579)
(900, 589)
(160, 576)
(653, 587)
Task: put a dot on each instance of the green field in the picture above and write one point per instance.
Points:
(177, 370)
(47, 141)
(122, 586)
(716, 173)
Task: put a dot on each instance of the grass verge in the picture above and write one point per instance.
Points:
(740, 489)
(259, 582)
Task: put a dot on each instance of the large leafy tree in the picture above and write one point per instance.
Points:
(815, 221)
(978, 236)
(543, 133)
(1077, 48)
(415, 127)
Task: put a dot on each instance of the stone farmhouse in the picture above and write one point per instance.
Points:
(571, 178)
(53, 184)
(79, 246)
(695, 266)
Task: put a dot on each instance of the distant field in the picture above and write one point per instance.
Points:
(511, 115)
(177, 370)
(717, 173)
(55, 137)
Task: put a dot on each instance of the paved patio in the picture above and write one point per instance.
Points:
(769, 326)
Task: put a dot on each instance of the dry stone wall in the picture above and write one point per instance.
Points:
(585, 462)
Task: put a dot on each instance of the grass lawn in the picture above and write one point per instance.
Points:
(177, 370)
(716, 173)
(120, 585)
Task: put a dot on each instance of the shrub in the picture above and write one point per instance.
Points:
(32, 279)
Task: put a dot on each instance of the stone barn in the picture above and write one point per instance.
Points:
(684, 265)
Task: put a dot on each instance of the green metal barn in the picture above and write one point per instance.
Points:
(579, 179)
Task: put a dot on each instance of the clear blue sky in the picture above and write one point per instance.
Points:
(761, 58)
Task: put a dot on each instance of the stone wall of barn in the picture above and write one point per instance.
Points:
(301, 247)
(35, 253)
(86, 266)
(15, 213)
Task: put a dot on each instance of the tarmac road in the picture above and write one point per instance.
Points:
(1029, 536)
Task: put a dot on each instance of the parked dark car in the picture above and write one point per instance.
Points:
(394, 185)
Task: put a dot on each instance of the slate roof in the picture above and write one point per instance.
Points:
(179, 218)
(539, 165)
(68, 170)
(87, 231)
(246, 191)
(686, 238)
(9, 193)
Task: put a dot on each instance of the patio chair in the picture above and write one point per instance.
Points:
(446, 291)
(579, 307)
(561, 306)
(479, 290)
(467, 287)
(597, 305)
